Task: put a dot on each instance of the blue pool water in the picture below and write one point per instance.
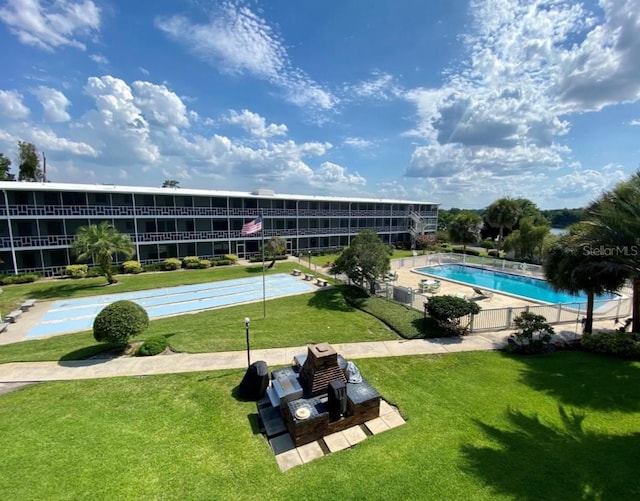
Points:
(527, 287)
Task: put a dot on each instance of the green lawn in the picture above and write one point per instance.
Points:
(290, 321)
(480, 425)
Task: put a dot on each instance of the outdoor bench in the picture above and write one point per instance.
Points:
(29, 303)
(13, 316)
(3, 326)
(321, 282)
(296, 272)
(308, 276)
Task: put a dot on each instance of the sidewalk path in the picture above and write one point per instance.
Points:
(22, 372)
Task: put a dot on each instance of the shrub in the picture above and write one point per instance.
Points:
(488, 243)
(616, 343)
(449, 310)
(153, 345)
(152, 267)
(120, 321)
(171, 264)
(533, 334)
(76, 270)
(468, 252)
(95, 272)
(191, 262)
(222, 262)
(493, 253)
(204, 263)
(25, 278)
(231, 257)
(131, 267)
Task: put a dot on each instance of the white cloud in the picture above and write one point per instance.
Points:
(238, 41)
(117, 123)
(528, 65)
(159, 104)
(45, 140)
(54, 104)
(99, 58)
(358, 143)
(634, 122)
(11, 105)
(48, 25)
(255, 124)
(382, 86)
(333, 175)
(603, 69)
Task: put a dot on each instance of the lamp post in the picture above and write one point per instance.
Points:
(424, 320)
(246, 325)
(309, 260)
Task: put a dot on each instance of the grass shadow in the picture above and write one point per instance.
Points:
(331, 298)
(569, 377)
(533, 460)
(86, 352)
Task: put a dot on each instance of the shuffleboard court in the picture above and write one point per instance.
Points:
(73, 315)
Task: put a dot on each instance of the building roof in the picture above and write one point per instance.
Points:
(258, 193)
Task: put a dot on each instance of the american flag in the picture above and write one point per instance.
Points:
(253, 227)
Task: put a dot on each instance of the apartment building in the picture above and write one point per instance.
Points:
(39, 221)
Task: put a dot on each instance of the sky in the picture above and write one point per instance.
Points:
(458, 102)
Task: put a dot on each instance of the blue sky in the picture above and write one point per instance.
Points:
(457, 102)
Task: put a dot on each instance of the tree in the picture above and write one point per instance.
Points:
(366, 259)
(533, 334)
(528, 242)
(171, 183)
(615, 218)
(120, 321)
(465, 228)
(100, 243)
(29, 163)
(570, 267)
(502, 214)
(448, 310)
(5, 165)
(275, 246)
(425, 242)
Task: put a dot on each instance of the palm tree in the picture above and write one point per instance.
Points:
(465, 229)
(100, 243)
(571, 268)
(615, 217)
(501, 214)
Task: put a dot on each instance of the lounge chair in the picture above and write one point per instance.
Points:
(483, 293)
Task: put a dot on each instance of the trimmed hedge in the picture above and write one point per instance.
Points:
(231, 257)
(258, 259)
(172, 263)
(153, 345)
(25, 278)
(131, 267)
(191, 262)
(204, 263)
(469, 252)
(76, 270)
(120, 321)
(616, 343)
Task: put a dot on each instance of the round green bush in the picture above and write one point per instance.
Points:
(171, 263)
(153, 345)
(120, 321)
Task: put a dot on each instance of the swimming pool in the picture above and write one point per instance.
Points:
(518, 285)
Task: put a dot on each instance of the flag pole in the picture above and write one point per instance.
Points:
(264, 294)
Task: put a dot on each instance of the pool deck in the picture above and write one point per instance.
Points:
(410, 278)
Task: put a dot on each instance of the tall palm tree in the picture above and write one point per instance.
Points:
(571, 268)
(100, 242)
(502, 214)
(615, 217)
(465, 229)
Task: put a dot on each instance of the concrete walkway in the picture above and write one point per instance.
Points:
(21, 372)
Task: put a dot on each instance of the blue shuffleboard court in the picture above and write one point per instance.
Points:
(73, 315)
